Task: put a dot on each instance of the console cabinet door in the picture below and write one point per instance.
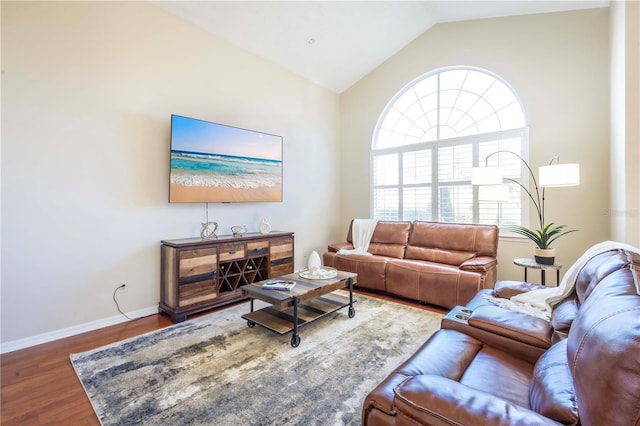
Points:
(281, 257)
(197, 276)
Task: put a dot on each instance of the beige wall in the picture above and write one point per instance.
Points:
(557, 63)
(87, 93)
(625, 125)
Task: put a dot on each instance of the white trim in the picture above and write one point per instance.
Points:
(74, 330)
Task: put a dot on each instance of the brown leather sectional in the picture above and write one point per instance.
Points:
(444, 264)
(491, 366)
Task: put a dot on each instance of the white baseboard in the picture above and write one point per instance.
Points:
(72, 331)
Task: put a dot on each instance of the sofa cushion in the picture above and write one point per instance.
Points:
(597, 269)
(436, 255)
(562, 317)
(435, 400)
(482, 240)
(371, 270)
(603, 348)
(436, 283)
(446, 353)
(463, 359)
(387, 232)
(507, 289)
(552, 393)
(389, 250)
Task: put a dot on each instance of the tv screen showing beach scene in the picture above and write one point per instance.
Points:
(213, 162)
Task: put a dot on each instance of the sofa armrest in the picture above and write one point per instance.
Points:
(508, 289)
(337, 246)
(479, 264)
(430, 399)
(513, 325)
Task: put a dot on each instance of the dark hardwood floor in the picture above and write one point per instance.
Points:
(39, 386)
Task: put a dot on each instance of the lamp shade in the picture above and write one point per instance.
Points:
(559, 175)
(491, 175)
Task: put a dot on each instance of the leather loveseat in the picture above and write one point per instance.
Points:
(444, 264)
(479, 373)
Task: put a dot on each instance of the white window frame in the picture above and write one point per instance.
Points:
(475, 140)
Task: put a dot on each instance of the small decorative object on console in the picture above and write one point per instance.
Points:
(208, 230)
(238, 230)
(265, 226)
(279, 285)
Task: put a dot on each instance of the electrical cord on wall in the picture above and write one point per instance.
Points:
(116, 301)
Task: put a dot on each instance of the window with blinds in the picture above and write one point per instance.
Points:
(430, 136)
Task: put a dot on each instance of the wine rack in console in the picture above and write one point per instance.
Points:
(200, 274)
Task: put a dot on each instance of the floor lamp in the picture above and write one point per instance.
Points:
(552, 175)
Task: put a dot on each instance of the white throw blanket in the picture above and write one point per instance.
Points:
(361, 233)
(540, 302)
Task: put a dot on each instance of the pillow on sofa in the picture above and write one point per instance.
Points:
(552, 393)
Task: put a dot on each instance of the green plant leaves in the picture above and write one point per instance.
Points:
(545, 236)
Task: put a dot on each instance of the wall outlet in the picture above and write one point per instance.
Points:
(305, 253)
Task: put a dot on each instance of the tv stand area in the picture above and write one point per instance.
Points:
(197, 274)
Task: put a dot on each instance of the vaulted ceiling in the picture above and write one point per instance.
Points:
(336, 43)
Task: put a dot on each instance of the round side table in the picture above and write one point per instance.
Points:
(531, 263)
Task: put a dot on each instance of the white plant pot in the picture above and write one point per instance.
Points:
(545, 256)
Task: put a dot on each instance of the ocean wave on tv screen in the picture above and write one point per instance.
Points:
(193, 169)
(245, 181)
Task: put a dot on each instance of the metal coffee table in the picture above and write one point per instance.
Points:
(309, 300)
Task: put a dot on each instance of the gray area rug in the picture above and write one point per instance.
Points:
(216, 370)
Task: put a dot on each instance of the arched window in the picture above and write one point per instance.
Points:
(429, 137)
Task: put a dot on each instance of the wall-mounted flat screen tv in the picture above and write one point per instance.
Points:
(215, 163)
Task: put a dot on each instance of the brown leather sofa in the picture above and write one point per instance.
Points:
(589, 373)
(444, 264)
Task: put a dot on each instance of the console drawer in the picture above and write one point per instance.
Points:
(231, 251)
(257, 248)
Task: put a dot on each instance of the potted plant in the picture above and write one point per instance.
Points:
(543, 238)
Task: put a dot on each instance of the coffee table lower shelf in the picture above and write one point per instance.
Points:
(282, 321)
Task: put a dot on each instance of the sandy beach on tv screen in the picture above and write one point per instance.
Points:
(187, 194)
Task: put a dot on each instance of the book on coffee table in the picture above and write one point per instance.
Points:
(279, 285)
